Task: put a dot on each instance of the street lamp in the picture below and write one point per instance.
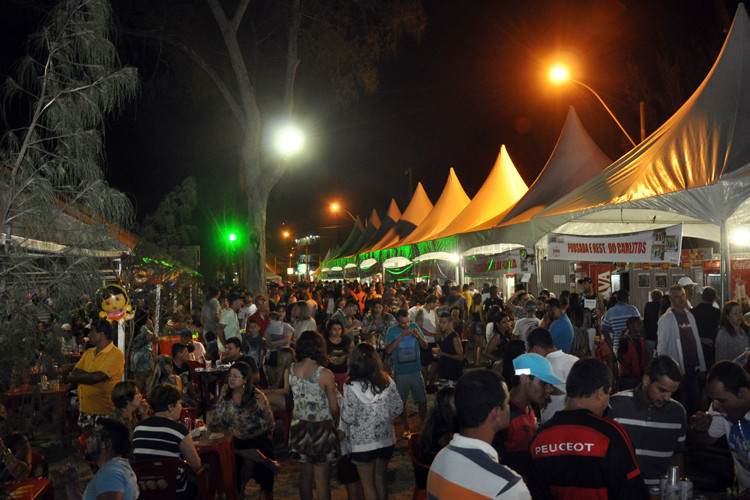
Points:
(559, 74)
(335, 207)
(289, 140)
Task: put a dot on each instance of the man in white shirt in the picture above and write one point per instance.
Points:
(247, 310)
(525, 325)
(539, 341)
(229, 325)
(728, 388)
(468, 467)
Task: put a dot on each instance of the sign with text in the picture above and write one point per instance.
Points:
(658, 245)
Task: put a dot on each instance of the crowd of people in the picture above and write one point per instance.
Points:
(530, 392)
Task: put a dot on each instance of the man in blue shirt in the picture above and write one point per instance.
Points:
(561, 327)
(403, 342)
(108, 444)
(615, 320)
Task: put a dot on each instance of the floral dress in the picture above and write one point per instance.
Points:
(312, 435)
(377, 327)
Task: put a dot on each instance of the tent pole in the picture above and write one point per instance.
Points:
(726, 268)
(538, 265)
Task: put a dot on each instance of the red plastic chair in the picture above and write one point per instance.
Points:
(420, 470)
(157, 478)
(193, 365)
(191, 412)
(82, 449)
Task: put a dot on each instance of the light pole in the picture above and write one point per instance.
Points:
(335, 207)
(306, 241)
(559, 74)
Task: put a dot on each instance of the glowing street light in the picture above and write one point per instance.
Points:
(289, 140)
(335, 207)
(559, 74)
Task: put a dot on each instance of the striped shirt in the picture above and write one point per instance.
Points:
(160, 437)
(468, 469)
(657, 433)
(616, 320)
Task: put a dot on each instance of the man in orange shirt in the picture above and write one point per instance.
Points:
(97, 373)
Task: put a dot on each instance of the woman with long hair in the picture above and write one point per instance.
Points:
(339, 347)
(503, 348)
(302, 319)
(243, 409)
(439, 427)
(371, 402)
(280, 395)
(312, 435)
(376, 323)
(163, 374)
(734, 334)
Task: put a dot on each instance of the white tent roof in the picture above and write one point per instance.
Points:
(575, 160)
(502, 188)
(419, 207)
(451, 202)
(696, 165)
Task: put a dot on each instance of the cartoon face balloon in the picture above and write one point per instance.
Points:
(114, 303)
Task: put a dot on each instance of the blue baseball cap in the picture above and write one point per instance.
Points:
(537, 366)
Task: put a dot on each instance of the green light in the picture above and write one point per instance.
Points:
(232, 237)
(492, 261)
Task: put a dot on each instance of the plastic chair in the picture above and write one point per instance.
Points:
(193, 365)
(420, 470)
(191, 412)
(38, 460)
(157, 478)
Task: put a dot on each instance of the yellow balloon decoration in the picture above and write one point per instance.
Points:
(114, 303)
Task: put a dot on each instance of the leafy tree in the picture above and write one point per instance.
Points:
(257, 71)
(58, 217)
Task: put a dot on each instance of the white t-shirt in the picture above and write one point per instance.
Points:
(561, 364)
(430, 324)
(245, 313)
(524, 325)
(198, 352)
(740, 448)
(412, 313)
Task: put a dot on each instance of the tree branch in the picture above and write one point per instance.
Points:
(244, 85)
(212, 74)
(237, 19)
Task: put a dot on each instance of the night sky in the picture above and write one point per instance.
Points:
(475, 81)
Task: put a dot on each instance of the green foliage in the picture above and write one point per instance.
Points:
(59, 220)
(170, 226)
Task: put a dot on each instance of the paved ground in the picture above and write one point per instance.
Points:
(400, 472)
(710, 468)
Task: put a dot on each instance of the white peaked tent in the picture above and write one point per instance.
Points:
(693, 169)
(452, 200)
(373, 224)
(419, 208)
(391, 217)
(502, 188)
(575, 160)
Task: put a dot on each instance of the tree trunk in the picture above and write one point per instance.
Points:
(255, 250)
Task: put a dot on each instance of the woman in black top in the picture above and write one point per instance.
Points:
(339, 347)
